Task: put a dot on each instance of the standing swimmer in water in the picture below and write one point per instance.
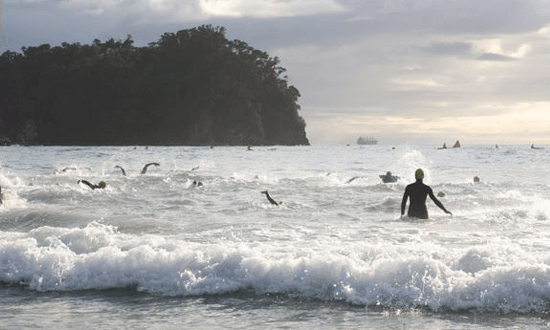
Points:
(418, 192)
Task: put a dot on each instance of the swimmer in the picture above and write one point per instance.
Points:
(476, 179)
(197, 183)
(1, 196)
(355, 177)
(388, 177)
(123, 171)
(271, 200)
(144, 170)
(101, 185)
(65, 170)
(417, 192)
(440, 194)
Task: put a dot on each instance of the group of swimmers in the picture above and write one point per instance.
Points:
(415, 193)
(103, 184)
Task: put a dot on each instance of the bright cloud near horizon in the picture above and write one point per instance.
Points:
(428, 71)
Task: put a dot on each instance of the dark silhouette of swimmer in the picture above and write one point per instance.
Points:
(101, 185)
(417, 192)
(65, 170)
(1, 196)
(123, 171)
(197, 183)
(144, 170)
(388, 177)
(355, 177)
(271, 200)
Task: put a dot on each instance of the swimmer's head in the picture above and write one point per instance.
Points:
(102, 184)
(388, 173)
(476, 178)
(440, 194)
(419, 174)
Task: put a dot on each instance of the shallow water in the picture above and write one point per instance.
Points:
(155, 251)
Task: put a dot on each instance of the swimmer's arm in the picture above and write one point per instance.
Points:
(87, 183)
(438, 203)
(404, 201)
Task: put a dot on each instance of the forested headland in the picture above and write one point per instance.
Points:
(193, 87)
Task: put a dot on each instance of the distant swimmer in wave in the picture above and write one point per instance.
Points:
(533, 147)
(354, 178)
(388, 177)
(65, 170)
(144, 170)
(476, 179)
(100, 185)
(123, 171)
(1, 196)
(417, 193)
(271, 200)
(197, 183)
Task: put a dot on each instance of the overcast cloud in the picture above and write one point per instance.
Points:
(429, 71)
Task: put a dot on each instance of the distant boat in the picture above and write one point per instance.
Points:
(366, 140)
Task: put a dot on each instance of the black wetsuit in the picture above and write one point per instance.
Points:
(418, 192)
(271, 200)
(123, 171)
(388, 178)
(93, 186)
(144, 170)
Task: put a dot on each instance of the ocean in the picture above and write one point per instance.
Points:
(193, 242)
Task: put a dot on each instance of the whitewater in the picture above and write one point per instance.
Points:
(161, 251)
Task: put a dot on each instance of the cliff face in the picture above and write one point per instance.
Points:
(193, 87)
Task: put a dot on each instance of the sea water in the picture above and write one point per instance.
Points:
(160, 251)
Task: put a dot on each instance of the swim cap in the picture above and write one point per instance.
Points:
(419, 174)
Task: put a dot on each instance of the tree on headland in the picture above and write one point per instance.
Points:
(192, 87)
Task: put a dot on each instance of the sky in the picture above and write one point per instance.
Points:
(403, 71)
